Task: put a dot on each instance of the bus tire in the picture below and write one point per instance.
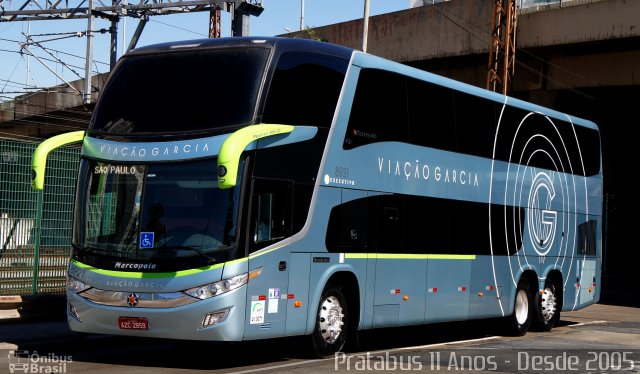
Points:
(520, 320)
(546, 307)
(332, 323)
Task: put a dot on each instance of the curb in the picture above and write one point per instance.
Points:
(9, 314)
(8, 346)
(42, 307)
(9, 310)
(10, 303)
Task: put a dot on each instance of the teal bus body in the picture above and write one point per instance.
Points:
(420, 200)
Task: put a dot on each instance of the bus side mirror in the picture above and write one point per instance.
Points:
(229, 157)
(39, 160)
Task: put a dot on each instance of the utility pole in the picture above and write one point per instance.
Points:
(301, 15)
(86, 95)
(113, 53)
(365, 26)
(124, 26)
(502, 51)
(26, 40)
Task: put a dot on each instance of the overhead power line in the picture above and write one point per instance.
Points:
(180, 28)
(53, 50)
(119, 8)
(32, 10)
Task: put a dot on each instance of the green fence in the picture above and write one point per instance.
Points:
(35, 226)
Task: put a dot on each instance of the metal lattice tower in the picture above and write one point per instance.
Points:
(58, 9)
(215, 23)
(502, 51)
(35, 10)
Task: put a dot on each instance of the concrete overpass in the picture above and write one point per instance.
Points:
(582, 58)
(40, 115)
(582, 44)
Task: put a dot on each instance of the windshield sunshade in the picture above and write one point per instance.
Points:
(181, 92)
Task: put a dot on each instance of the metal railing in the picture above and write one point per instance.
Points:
(35, 226)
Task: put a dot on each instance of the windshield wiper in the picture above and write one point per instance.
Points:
(91, 250)
(210, 259)
(83, 250)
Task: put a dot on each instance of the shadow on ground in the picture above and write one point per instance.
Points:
(159, 353)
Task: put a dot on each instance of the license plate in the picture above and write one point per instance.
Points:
(133, 323)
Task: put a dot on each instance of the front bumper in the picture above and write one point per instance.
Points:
(183, 322)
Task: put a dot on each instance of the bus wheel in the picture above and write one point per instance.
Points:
(547, 311)
(518, 323)
(331, 329)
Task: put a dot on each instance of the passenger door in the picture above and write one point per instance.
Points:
(270, 222)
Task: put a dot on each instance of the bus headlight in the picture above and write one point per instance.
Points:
(212, 289)
(75, 285)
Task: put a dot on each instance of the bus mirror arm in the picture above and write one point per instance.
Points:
(232, 148)
(39, 160)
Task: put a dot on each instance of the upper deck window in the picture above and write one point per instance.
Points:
(178, 92)
(390, 107)
(305, 89)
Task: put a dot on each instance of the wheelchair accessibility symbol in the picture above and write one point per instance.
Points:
(146, 240)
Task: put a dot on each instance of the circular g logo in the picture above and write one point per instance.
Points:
(542, 221)
(535, 192)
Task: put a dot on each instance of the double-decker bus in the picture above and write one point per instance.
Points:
(249, 188)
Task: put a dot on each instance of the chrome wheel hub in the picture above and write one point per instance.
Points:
(522, 307)
(330, 318)
(548, 304)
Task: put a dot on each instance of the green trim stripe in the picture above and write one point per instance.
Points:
(391, 256)
(173, 274)
(140, 275)
(182, 273)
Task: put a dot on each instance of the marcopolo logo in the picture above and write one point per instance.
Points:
(364, 134)
(134, 266)
(32, 362)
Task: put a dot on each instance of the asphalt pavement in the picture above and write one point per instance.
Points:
(39, 325)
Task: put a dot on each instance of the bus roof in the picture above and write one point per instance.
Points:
(359, 58)
(365, 60)
(282, 44)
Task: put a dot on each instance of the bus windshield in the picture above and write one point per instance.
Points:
(155, 211)
(191, 91)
